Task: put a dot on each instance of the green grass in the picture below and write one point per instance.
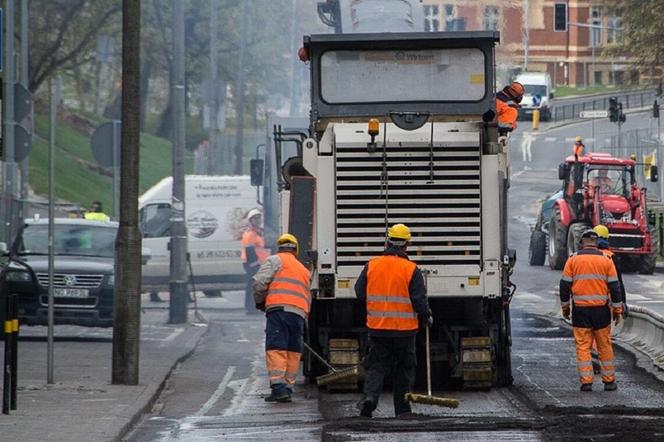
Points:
(566, 91)
(77, 183)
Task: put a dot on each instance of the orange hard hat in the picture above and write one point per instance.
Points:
(514, 90)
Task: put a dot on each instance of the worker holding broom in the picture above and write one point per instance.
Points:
(281, 289)
(395, 294)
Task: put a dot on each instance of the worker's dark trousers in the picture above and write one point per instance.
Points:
(395, 355)
(249, 304)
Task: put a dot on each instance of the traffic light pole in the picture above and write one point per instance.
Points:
(178, 304)
(9, 71)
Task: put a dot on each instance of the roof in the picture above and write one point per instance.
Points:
(72, 222)
(601, 158)
(394, 39)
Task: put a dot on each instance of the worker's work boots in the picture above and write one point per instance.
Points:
(586, 387)
(610, 386)
(282, 397)
(366, 408)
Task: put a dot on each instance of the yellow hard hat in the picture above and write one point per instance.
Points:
(602, 231)
(288, 241)
(578, 139)
(399, 231)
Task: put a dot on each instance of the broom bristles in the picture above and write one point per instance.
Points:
(432, 400)
(337, 376)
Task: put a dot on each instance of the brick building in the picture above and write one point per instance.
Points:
(572, 57)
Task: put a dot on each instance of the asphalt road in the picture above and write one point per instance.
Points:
(217, 394)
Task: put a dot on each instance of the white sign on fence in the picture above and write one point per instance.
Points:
(594, 114)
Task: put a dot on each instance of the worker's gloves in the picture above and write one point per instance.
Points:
(426, 321)
(566, 311)
(617, 315)
(261, 306)
(502, 140)
(430, 321)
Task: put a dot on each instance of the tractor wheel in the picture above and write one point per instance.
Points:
(574, 237)
(537, 248)
(557, 241)
(647, 263)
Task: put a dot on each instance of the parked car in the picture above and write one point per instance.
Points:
(83, 277)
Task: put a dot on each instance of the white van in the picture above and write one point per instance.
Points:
(216, 207)
(539, 93)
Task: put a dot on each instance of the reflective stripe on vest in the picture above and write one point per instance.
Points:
(388, 298)
(590, 273)
(290, 285)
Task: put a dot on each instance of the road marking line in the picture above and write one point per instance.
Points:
(550, 139)
(218, 392)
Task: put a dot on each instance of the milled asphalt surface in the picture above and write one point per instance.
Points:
(82, 405)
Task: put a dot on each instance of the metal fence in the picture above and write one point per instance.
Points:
(645, 144)
(629, 100)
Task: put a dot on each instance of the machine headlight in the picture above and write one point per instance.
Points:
(111, 280)
(18, 276)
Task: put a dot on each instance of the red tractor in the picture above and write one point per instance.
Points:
(601, 189)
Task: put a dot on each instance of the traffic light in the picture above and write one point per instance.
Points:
(560, 17)
(614, 111)
(655, 109)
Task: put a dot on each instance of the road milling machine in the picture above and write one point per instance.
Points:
(402, 130)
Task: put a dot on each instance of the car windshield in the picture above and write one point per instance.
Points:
(610, 180)
(72, 239)
(535, 89)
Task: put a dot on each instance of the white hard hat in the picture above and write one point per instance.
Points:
(253, 212)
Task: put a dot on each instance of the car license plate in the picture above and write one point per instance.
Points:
(70, 293)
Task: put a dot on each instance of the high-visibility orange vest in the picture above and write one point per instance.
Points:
(388, 299)
(290, 285)
(608, 253)
(590, 275)
(251, 238)
(578, 149)
(508, 114)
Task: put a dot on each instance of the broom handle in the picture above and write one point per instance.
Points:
(428, 362)
(319, 357)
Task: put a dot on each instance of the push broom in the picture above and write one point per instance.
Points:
(335, 375)
(428, 398)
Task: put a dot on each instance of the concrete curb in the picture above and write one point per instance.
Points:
(153, 391)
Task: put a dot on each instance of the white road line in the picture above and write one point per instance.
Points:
(218, 392)
(550, 139)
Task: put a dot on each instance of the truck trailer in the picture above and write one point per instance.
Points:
(402, 131)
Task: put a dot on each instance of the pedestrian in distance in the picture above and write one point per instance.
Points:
(507, 109)
(281, 290)
(253, 254)
(579, 149)
(96, 212)
(589, 287)
(395, 294)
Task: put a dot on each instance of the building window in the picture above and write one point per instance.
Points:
(450, 16)
(595, 20)
(613, 32)
(431, 18)
(491, 18)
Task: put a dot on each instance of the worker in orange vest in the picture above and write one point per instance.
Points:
(507, 109)
(253, 254)
(281, 289)
(396, 297)
(578, 148)
(590, 283)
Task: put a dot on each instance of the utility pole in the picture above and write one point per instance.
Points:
(127, 295)
(295, 63)
(239, 89)
(214, 157)
(9, 173)
(526, 34)
(25, 66)
(178, 284)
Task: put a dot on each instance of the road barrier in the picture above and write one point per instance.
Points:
(643, 329)
(10, 370)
